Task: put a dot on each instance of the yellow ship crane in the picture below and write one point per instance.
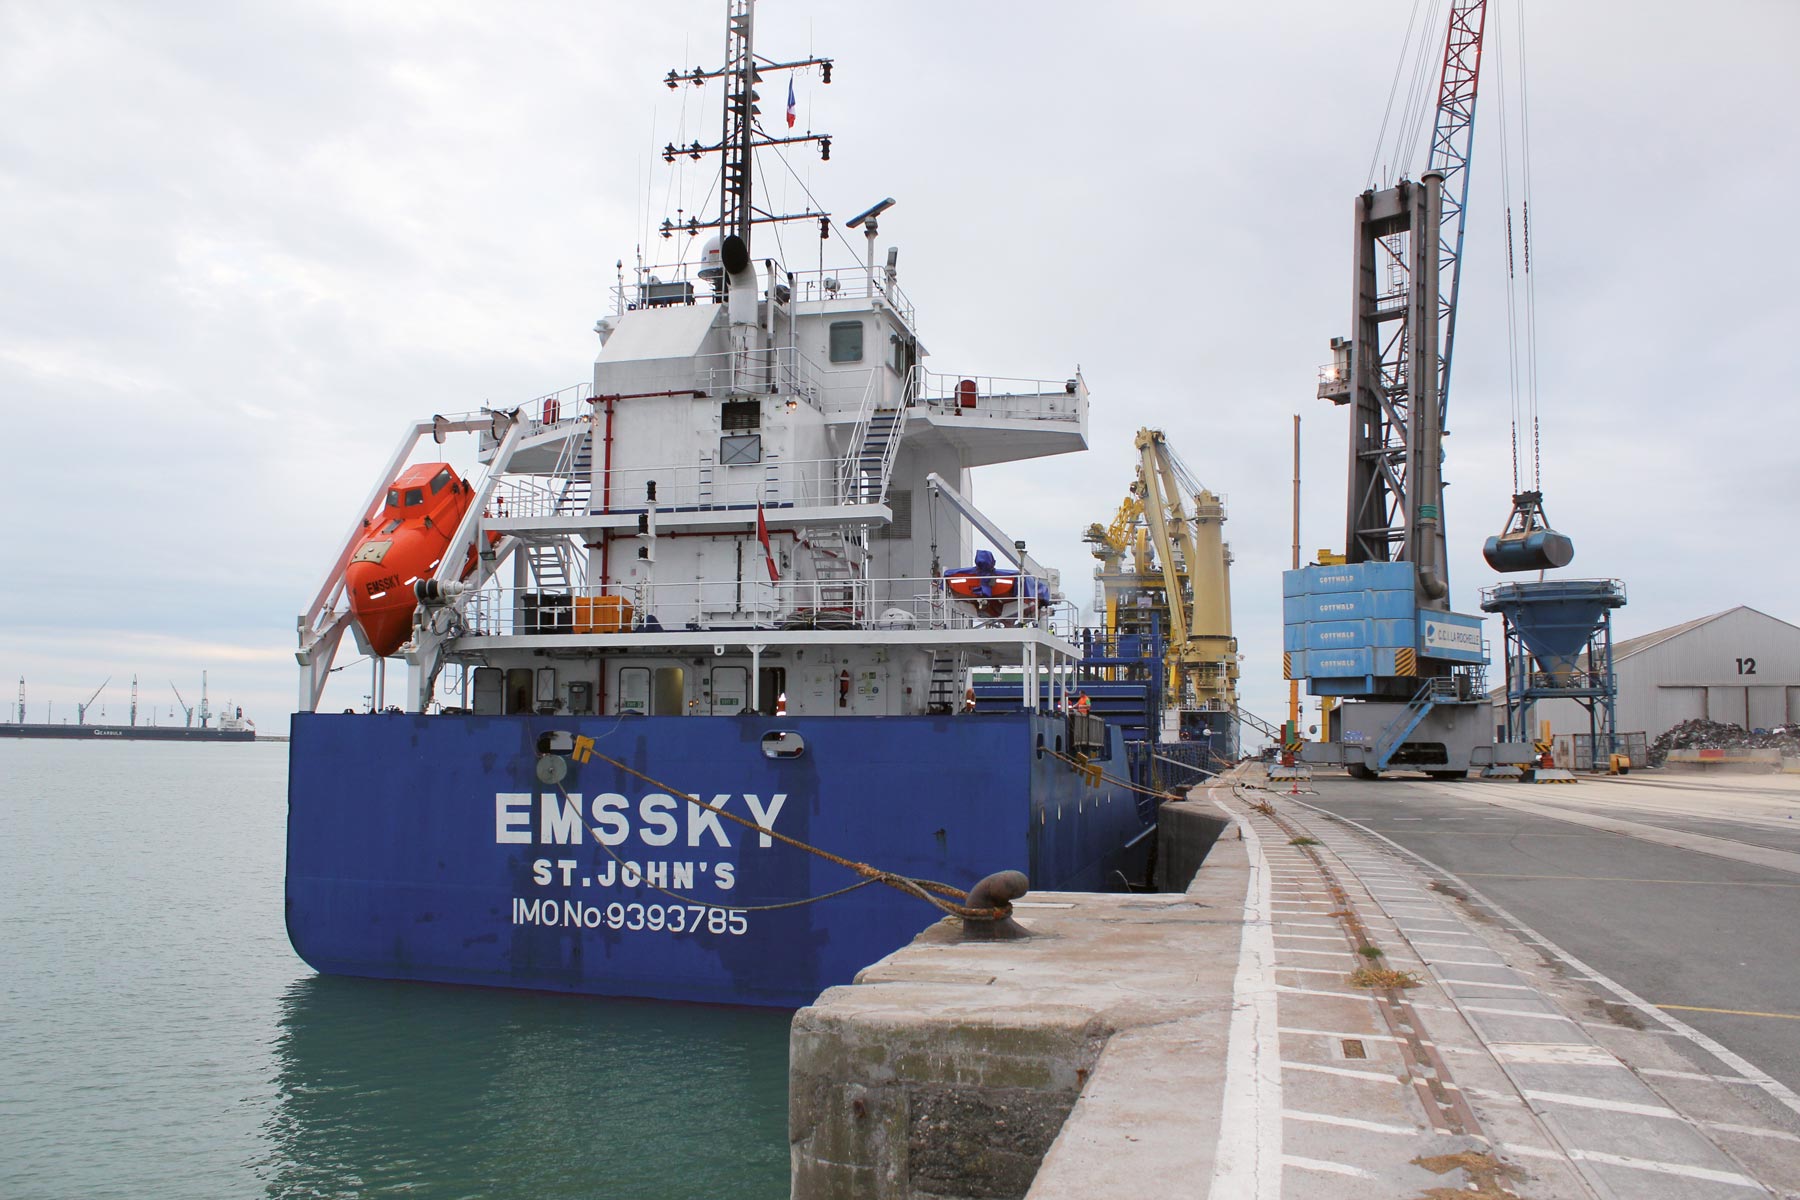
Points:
(1196, 567)
(1178, 583)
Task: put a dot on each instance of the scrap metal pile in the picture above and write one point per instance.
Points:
(1700, 734)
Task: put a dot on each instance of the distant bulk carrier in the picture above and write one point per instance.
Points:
(232, 725)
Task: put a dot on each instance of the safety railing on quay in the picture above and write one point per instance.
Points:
(747, 604)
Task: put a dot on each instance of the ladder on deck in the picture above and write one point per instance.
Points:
(550, 564)
(837, 568)
(946, 673)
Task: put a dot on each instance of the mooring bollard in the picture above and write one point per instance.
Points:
(996, 891)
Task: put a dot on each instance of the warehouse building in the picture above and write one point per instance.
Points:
(1739, 666)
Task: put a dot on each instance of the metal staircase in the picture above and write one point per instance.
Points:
(875, 456)
(1439, 689)
(868, 463)
(946, 673)
(550, 561)
(837, 560)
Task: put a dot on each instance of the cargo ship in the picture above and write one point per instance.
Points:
(233, 725)
(715, 608)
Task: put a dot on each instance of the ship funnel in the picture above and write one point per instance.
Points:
(1555, 619)
(740, 278)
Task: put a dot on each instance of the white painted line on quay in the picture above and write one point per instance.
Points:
(1339, 972)
(1555, 1054)
(1667, 1168)
(1247, 1160)
(1510, 987)
(1339, 1033)
(1514, 1012)
(1311, 937)
(1321, 953)
(1329, 1168)
(1753, 1131)
(1344, 1072)
(1300, 991)
(1570, 1100)
(1353, 1123)
(1696, 1076)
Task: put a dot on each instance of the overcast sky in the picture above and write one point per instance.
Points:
(242, 245)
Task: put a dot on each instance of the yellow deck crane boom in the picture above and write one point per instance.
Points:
(1165, 575)
(1196, 567)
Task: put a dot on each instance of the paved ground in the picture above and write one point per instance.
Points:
(1685, 890)
(1243, 1053)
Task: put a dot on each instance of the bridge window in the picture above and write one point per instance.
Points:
(439, 480)
(415, 496)
(846, 341)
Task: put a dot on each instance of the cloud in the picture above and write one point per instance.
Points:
(247, 244)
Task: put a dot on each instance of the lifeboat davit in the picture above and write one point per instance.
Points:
(403, 543)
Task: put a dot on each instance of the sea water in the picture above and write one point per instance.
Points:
(158, 1037)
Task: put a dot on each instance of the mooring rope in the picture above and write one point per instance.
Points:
(921, 888)
(1095, 772)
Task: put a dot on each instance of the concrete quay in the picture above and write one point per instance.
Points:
(1212, 1043)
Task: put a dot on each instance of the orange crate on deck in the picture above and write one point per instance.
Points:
(602, 614)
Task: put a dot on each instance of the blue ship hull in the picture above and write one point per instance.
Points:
(425, 848)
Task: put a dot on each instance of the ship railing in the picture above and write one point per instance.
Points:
(557, 408)
(768, 371)
(672, 284)
(997, 396)
(774, 483)
(752, 603)
(853, 283)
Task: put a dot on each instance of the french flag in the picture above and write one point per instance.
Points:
(790, 101)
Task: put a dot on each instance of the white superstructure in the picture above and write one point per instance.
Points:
(753, 504)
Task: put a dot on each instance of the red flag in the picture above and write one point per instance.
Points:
(762, 535)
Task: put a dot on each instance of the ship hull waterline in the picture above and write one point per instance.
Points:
(425, 848)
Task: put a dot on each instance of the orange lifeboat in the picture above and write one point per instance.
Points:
(401, 544)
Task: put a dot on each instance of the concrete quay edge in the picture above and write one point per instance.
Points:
(1210, 1043)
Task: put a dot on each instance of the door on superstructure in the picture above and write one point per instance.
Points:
(634, 690)
(520, 685)
(771, 686)
(490, 691)
(730, 691)
(668, 692)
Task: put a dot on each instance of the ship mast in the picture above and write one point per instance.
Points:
(738, 176)
(741, 136)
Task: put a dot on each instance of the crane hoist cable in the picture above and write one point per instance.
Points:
(1521, 293)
